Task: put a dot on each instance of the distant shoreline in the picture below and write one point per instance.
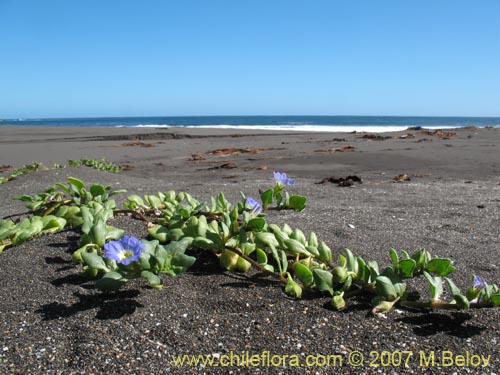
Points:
(343, 124)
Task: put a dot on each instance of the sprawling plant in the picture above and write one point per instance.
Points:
(101, 165)
(239, 237)
(28, 168)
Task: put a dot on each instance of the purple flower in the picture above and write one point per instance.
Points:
(479, 283)
(125, 250)
(282, 179)
(255, 207)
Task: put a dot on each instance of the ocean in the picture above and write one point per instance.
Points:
(305, 123)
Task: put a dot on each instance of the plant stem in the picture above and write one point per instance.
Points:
(56, 206)
(256, 265)
(133, 212)
(16, 215)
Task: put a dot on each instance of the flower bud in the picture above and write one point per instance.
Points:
(338, 302)
(339, 274)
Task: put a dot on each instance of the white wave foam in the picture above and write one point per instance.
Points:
(304, 128)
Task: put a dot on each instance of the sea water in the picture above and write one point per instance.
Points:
(289, 123)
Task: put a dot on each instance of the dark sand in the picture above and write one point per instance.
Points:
(52, 322)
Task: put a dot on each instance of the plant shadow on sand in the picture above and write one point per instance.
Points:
(429, 324)
(110, 306)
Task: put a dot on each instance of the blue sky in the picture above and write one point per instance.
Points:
(271, 57)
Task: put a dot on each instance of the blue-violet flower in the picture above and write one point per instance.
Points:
(282, 179)
(125, 250)
(479, 283)
(255, 207)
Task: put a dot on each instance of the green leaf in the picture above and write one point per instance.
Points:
(460, 299)
(419, 258)
(382, 306)
(269, 267)
(153, 201)
(159, 233)
(453, 288)
(304, 274)
(145, 261)
(312, 250)
(247, 248)
(150, 246)
(276, 257)
(64, 188)
(472, 293)
(279, 199)
(386, 288)
(297, 202)
(203, 243)
(325, 253)
(440, 266)
(94, 261)
(182, 262)
(228, 259)
(396, 281)
(98, 233)
(152, 279)
(373, 266)
(175, 234)
(25, 198)
(113, 233)
(266, 238)
(299, 236)
(351, 261)
(406, 267)
(88, 219)
(339, 274)
(495, 300)
(343, 261)
(97, 190)
(137, 200)
(435, 285)
(287, 229)
(292, 288)
(313, 240)
(36, 225)
(111, 281)
(257, 223)
(323, 280)
(296, 247)
(363, 271)
(347, 284)
(284, 261)
(243, 265)
(280, 237)
(394, 258)
(261, 257)
(218, 242)
(178, 247)
(266, 197)
(462, 302)
(225, 230)
(76, 185)
(21, 236)
(52, 223)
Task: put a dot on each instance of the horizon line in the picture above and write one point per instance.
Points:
(183, 116)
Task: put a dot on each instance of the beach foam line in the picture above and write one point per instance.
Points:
(304, 128)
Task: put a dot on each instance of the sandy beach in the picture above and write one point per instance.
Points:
(52, 322)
